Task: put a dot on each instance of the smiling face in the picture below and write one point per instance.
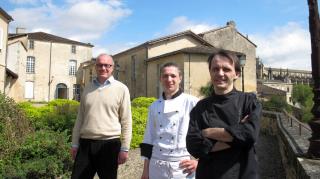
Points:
(223, 74)
(104, 67)
(170, 80)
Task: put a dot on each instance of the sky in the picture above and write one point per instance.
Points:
(279, 28)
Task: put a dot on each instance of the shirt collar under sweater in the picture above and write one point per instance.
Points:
(106, 83)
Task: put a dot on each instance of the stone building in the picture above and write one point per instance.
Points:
(280, 82)
(291, 75)
(5, 19)
(46, 66)
(139, 67)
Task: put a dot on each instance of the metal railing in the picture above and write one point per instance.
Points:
(292, 119)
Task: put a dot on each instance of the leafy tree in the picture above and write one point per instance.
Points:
(301, 94)
(304, 96)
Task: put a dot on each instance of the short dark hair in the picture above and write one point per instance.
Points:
(170, 64)
(229, 55)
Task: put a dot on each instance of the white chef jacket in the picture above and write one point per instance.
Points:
(167, 127)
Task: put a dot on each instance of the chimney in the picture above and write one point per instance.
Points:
(20, 30)
(231, 24)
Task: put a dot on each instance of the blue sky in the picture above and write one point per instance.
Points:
(279, 28)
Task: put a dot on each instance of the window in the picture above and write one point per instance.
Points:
(28, 93)
(76, 92)
(31, 44)
(73, 49)
(90, 75)
(30, 64)
(72, 67)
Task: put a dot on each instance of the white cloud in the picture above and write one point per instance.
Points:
(83, 20)
(20, 2)
(182, 23)
(288, 46)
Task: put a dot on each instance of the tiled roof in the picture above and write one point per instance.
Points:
(168, 37)
(42, 36)
(194, 50)
(6, 15)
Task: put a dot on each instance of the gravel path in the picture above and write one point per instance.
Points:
(132, 169)
(270, 165)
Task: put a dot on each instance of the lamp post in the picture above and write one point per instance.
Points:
(242, 60)
(314, 27)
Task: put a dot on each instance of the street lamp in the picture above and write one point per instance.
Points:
(242, 59)
(314, 28)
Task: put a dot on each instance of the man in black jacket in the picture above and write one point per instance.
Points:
(224, 127)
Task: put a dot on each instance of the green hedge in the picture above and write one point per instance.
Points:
(41, 148)
(139, 118)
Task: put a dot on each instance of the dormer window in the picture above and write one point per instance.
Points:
(31, 44)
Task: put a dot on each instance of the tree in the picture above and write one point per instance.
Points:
(301, 94)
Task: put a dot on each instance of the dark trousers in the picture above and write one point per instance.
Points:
(99, 156)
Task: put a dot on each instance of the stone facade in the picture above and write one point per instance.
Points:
(139, 66)
(47, 69)
(229, 38)
(4, 23)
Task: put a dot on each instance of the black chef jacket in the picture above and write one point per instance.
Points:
(225, 111)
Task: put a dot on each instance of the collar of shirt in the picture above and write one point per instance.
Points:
(173, 96)
(106, 83)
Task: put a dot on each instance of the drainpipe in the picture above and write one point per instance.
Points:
(50, 81)
(146, 63)
(189, 85)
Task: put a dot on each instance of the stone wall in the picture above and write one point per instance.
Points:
(292, 146)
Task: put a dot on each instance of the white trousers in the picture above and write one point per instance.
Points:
(160, 169)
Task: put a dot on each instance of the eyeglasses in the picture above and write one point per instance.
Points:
(104, 65)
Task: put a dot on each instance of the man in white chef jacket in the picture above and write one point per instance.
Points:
(164, 146)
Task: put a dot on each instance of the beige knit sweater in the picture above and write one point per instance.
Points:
(104, 113)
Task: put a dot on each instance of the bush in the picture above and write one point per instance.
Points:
(139, 119)
(207, 90)
(142, 102)
(58, 115)
(14, 127)
(276, 103)
(44, 154)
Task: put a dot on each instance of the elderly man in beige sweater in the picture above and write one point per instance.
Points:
(102, 133)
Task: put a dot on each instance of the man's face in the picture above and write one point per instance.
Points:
(104, 67)
(170, 79)
(222, 74)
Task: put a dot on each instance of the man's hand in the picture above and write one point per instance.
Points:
(189, 166)
(216, 133)
(122, 157)
(245, 119)
(73, 152)
(145, 172)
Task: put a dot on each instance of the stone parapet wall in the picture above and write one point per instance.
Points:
(292, 146)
